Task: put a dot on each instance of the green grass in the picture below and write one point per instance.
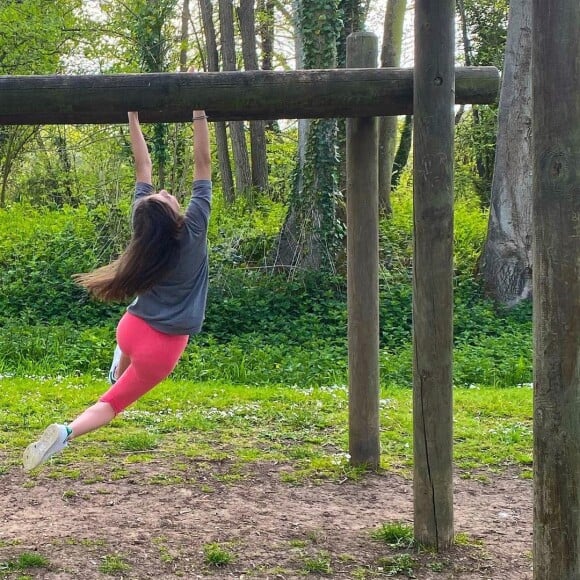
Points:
(114, 565)
(216, 555)
(23, 562)
(165, 554)
(141, 441)
(239, 425)
(401, 564)
(317, 564)
(395, 534)
(463, 539)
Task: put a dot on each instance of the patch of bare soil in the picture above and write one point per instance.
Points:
(133, 528)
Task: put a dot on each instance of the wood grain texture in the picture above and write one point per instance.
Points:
(556, 288)
(433, 273)
(362, 197)
(236, 95)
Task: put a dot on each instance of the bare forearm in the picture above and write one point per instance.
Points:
(201, 147)
(140, 150)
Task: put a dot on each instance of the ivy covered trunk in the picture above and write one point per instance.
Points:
(312, 235)
(353, 15)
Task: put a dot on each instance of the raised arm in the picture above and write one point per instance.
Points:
(201, 150)
(140, 151)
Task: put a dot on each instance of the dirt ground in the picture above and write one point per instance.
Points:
(133, 528)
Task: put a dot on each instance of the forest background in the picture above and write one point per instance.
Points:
(277, 303)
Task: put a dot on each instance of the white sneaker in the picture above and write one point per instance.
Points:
(53, 440)
(116, 359)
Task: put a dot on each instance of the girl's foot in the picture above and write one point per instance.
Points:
(53, 440)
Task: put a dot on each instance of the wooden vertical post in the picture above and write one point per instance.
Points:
(556, 288)
(433, 272)
(362, 268)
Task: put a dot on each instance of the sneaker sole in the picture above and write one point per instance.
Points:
(34, 454)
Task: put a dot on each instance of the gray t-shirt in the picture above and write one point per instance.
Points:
(177, 304)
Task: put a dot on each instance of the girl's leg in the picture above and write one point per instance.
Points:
(56, 436)
(119, 365)
(152, 355)
(151, 363)
(124, 363)
(147, 357)
(94, 417)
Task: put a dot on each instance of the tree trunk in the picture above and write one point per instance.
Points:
(506, 264)
(311, 235)
(12, 142)
(556, 229)
(237, 132)
(61, 145)
(266, 30)
(388, 126)
(352, 17)
(466, 42)
(148, 34)
(221, 136)
(289, 240)
(484, 154)
(246, 17)
(403, 151)
(177, 133)
(184, 36)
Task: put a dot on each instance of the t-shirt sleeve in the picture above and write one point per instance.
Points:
(142, 189)
(199, 208)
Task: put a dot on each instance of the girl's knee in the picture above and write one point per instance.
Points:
(153, 373)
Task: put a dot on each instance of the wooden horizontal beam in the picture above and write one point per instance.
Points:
(246, 95)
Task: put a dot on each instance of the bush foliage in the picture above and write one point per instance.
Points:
(261, 327)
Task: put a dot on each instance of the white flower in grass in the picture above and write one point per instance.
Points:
(340, 458)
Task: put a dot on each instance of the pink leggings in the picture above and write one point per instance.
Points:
(153, 356)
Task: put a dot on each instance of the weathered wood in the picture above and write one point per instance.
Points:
(362, 204)
(556, 288)
(433, 272)
(170, 97)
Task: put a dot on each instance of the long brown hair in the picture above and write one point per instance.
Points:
(151, 254)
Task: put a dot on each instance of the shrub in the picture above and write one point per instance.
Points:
(39, 252)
